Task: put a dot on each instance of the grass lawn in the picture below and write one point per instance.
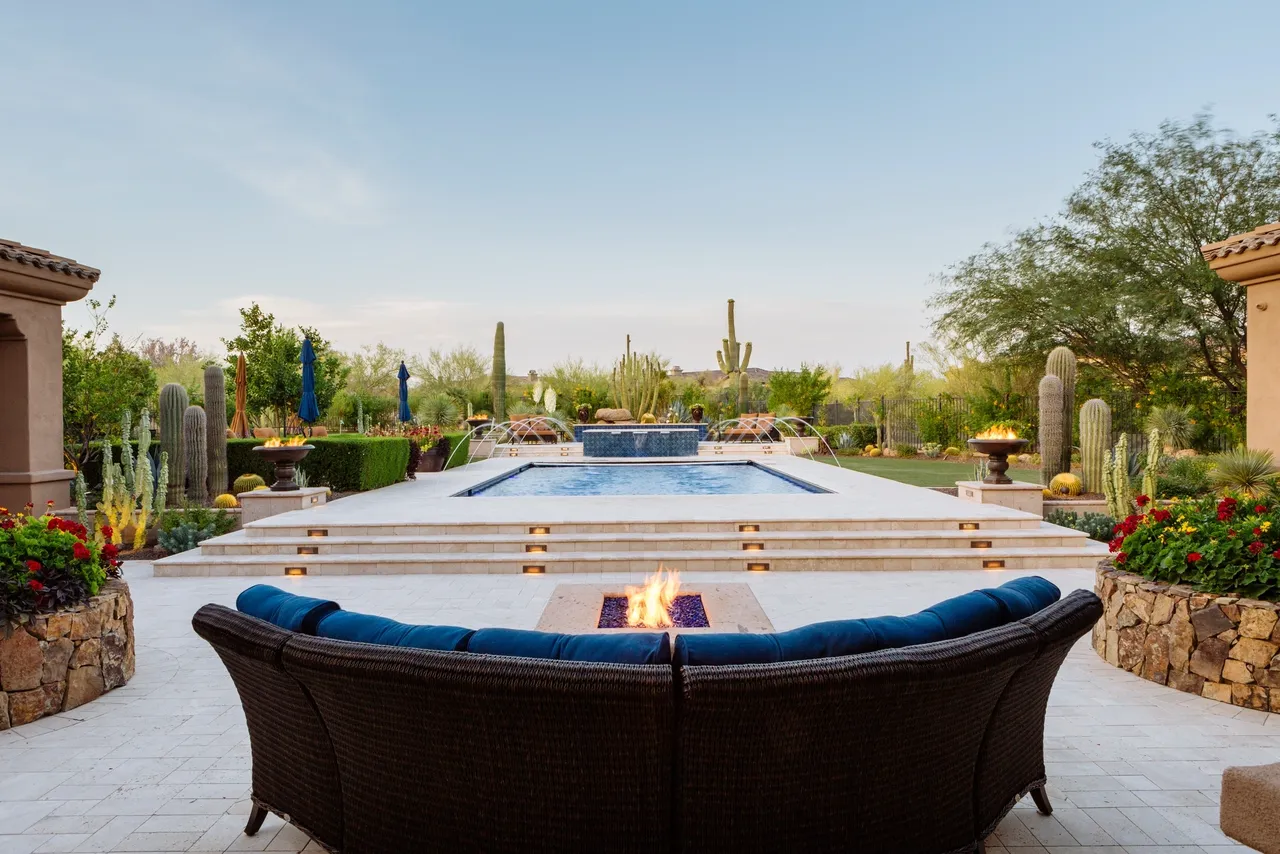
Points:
(920, 472)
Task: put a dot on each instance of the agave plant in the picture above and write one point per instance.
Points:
(1246, 471)
(1174, 424)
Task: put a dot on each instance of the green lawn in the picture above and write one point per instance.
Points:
(920, 472)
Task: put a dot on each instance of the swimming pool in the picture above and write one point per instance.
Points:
(735, 478)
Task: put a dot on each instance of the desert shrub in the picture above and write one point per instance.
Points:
(905, 450)
(931, 450)
(1250, 471)
(439, 410)
(1098, 526)
(47, 563)
(939, 427)
(1185, 477)
(345, 463)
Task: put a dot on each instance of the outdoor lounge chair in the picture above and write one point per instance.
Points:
(753, 427)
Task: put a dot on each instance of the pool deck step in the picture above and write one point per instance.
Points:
(196, 563)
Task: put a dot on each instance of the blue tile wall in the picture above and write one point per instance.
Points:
(579, 430)
(625, 442)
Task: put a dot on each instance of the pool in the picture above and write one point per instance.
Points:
(735, 478)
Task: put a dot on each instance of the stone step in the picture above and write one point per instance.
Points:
(195, 563)
(239, 543)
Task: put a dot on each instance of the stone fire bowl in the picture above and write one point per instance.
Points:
(284, 453)
(998, 446)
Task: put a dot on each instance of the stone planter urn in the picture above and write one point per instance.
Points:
(52, 663)
(434, 458)
(285, 458)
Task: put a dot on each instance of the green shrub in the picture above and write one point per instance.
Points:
(459, 449)
(1187, 477)
(1098, 526)
(939, 427)
(860, 434)
(1250, 471)
(905, 450)
(347, 462)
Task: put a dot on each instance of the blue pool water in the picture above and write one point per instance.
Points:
(743, 478)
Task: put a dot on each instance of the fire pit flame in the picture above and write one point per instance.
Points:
(650, 606)
(291, 442)
(998, 432)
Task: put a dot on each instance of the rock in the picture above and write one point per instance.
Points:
(89, 652)
(1269, 678)
(53, 697)
(86, 624)
(1258, 623)
(1131, 641)
(1199, 600)
(1236, 671)
(1114, 604)
(1162, 612)
(57, 654)
(1182, 640)
(1215, 691)
(83, 684)
(1210, 621)
(59, 626)
(1113, 647)
(1208, 658)
(115, 667)
(613, 416)
(28, 706)
(1155, 656)
(21, 661)
(1232, 611)
(1255, 652)
(4, 711)
(1275, 701)
(1249, 696)
(1229, 636)
(1126, 618)
(1188, 682)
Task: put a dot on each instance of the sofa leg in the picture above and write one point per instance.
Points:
(1041, 797)
(982, 847)
(256, 817)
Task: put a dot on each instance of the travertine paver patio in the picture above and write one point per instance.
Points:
(163, 764)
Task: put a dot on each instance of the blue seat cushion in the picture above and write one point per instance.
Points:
(284, 609)
(622, 648)
(367, 628)
(954, 618)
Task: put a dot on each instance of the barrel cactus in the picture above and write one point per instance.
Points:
(1050, 428)
(1095, 438)
(1065, 484)
(499, 374)
(173, 405)
(247, 483)
(225, 501)
(215, 413)
(194, 438)
(1062, 364)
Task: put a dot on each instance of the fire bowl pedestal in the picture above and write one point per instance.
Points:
(285, 458)
(997, 451)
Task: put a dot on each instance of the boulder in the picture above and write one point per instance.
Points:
(1236, 671)
(87, 623)
(57, 655)
(1181, 643)
(26, 706)
(1256, 652)
(1258, 623)
(83, 684)
(1188, 682)
(21, 661)
(1131, 641)
(1155, 656)
(1210, 621)
(1208, 658)
(88, 653)
(613, 416)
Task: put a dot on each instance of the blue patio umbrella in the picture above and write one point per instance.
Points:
(308, 410)
(403, 375)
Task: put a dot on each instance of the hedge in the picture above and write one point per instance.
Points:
(344, 463)
(459, 448)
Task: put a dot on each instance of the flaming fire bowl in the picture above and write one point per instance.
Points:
(285, 458)
(997, 451)
(687, 612)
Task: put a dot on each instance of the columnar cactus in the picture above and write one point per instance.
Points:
(1152, 468)
(144, 483)
(499, 374)
(194, 436)
(1120, 490)
(1062, 364)
(1095, 439)
(173, 403)
(636, 381)
(215, 413)
(733, 360)
(1050, 429)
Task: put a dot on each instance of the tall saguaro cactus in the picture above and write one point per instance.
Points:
(1095, 440)
(194, 445)
(499, 374)
(733, 360)
(173, 403)
(1062, 364)
(215, 412)
(1050, 428)
(636, 382)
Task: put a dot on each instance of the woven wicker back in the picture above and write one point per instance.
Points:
(459, 752)
(1012, 759)
(871, 752)
(294, 771)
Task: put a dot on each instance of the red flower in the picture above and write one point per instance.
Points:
(1257, 532)
(6, 525)
(1260, 508)
(1161, 515)
(1194, 557)
(34, 566)
(107, 532)
(110, 550)
(81, 553)
(1142, 501)
(1256, 547)
(1115, 544)
(1276, 554)
(35, 585)
(1122, 557)
(1231, 533)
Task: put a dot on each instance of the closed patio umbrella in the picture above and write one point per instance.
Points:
(308, 410)
(403, 375)
(240, 421)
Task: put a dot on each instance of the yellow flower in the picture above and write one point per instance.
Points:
(1266, 526)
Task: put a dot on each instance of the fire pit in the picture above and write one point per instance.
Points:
(997, 443)
(285, 456)
(656, 605)
(704, 608)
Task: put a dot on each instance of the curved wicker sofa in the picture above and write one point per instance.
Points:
(379, 748)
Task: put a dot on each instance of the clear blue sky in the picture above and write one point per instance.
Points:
(414, 172)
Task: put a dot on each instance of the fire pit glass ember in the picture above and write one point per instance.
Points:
(285, 456)
(997, 443)
(657, 605)
(687, 612)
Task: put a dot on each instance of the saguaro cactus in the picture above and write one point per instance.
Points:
(499, 374)
(1050, 428)
(636, 381)
(1095, 438)
(194, 439)
(733, 360)
(215, 413)
(1062, 364)
(173, 403)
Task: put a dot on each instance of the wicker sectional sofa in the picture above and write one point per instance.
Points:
(389, 747)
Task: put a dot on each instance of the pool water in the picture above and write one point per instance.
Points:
(744, 478)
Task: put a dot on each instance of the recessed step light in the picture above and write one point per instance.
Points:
(979, 544)
(753, 547)
(539, 530)
(317, 532)
(993, 564)
(968, 526)
(748, 529)
(534, 570)
(308, 550)
(295, 570)
(757, 567)
(536, 549)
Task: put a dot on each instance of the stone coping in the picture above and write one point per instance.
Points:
(1226, 648)
(51, 663)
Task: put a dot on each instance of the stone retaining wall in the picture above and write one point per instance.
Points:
(54, 662)
(1222, 647)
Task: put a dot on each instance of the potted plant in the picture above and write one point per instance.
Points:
(695, 412)
(434, 449)
(584, 412)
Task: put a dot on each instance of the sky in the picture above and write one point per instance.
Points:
(415, 172)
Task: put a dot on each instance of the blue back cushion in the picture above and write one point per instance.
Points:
(621, 648)
(963, 615)
(366, 628)
(284, 609)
